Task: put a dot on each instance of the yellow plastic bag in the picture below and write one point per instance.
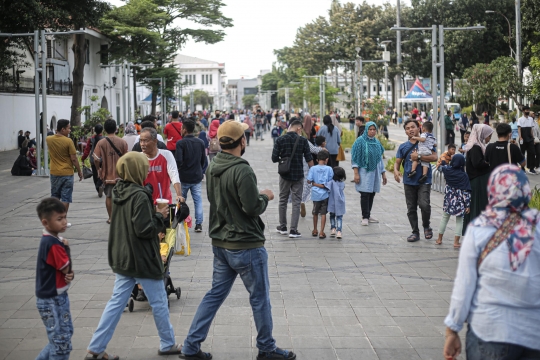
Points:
(182, 240)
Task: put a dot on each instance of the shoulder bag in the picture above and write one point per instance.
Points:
(114, 147)
(284, 165)
(341, 154)
(407, 154)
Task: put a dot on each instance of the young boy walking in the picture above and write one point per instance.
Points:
(318, 176)
(53, 275)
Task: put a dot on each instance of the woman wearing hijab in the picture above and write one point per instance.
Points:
(497, 285)
(134, 256)
(333, 139)
(212, 138)
(130, 135)
(368, 167)
(250, 129)
(21, 166)
(477, 169)
(457, 196)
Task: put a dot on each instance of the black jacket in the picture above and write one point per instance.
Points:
(191, 159)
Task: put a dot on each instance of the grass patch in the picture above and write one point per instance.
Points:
(347, 139)
(535, 198)
(387, 144)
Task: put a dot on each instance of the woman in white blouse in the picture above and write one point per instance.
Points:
(497, 286)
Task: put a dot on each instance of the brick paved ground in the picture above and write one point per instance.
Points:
(371, 295)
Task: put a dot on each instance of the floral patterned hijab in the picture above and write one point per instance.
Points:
(509, 192)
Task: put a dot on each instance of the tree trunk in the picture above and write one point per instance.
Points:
(378, 87)
(135, 89)
(154, 100)
(452, 89)
(79, 55)
(368, 87)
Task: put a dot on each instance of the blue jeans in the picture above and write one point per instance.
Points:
(62, 188)
(336, 224)
(351, 126)
(477, 349)
(258, 131)
(157, 298)
(197, 199)
(252, 266)
(56, 317)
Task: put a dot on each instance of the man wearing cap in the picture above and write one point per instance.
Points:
(292, 182)
(237, 234)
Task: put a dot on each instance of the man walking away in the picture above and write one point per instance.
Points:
(526, 138)
(63, 157)
(237, 234)
(259, 124)
(109, 150)
(191, 160)
(173, 131)
(292, 181)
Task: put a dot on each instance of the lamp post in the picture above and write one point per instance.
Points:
(512, 53)
(359, 64)
(386, 57)
(398, 51)
(442, 131)
(354, 80)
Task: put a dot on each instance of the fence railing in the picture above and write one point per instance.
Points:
(437, 179)
(26, 85)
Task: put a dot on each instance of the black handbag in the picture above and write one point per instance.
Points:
(284, 165)
(87, 172)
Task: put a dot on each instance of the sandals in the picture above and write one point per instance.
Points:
(413, 237)
(175, 350)
(314, 233)
(101, 356)
(428, 233)
(322, 235)
(198, 356)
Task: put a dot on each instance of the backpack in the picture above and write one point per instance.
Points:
(94, 142)
(275, 132)
(214, 145)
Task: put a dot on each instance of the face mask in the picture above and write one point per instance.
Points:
(139, 121)
(526, 113)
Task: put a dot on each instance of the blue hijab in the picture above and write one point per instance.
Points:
(455, 174)
(367, 152)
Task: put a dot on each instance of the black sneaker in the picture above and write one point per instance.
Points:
(282, 230)
(411, 174)
(198, 228)
(422, 179)
(294, 234)
(100, 191)
(198, 356)
(278, 354)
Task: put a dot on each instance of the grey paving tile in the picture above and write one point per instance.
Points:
(355, 354)
(349, 342)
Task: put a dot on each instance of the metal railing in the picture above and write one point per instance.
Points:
(26, 85)
(437, 179)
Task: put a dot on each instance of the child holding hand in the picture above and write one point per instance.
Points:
(318, 176)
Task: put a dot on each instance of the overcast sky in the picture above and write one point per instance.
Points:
(260, 26)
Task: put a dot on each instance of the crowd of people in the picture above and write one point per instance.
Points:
(485, 191)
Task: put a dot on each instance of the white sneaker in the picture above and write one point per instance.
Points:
(333, 233)
(365, 222)
(372, 220)
(68, 225)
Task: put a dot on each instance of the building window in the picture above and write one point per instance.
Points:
(186, 79)
(210, 79)
(104, 54)
(194, 79)
(207, 79)
(202, 79)
(49, 49)
(87, 51)
(118, 107)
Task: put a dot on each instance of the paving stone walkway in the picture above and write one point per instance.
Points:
(370, 295)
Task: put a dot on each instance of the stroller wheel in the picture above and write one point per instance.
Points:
(131, 304)
(178, 292)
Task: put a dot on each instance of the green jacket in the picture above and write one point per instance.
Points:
(133, 234)
(448, 124)
(235, 204)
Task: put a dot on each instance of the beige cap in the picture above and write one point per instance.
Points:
(232, 129)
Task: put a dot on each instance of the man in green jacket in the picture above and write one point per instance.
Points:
(134, 257)
(449, 126)
(237, 234)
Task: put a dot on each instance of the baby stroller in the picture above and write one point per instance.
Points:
(178, 214)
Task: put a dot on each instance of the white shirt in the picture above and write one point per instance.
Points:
(525, 122)
(159, 137)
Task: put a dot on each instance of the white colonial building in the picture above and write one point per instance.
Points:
(17, 100)
(200, 74)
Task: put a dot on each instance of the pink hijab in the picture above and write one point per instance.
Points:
(212, 132)
(478, 137)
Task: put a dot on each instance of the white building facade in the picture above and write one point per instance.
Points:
(200, 74)
(17, 100)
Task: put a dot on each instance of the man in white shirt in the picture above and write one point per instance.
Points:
(526, 139)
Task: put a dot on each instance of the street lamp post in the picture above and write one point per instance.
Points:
(512, 53)
(359, 64)
(353, 87)
(386, 56)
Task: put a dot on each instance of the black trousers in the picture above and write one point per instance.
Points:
(248, 135)
(418, 196)
(528, 148)
(450, 137)
(332, 162)
(95, 177)
(366, 203)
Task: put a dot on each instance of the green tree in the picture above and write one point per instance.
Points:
(248, 101)
(200, 97)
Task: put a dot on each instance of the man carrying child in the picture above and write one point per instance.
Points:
(426, 144)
